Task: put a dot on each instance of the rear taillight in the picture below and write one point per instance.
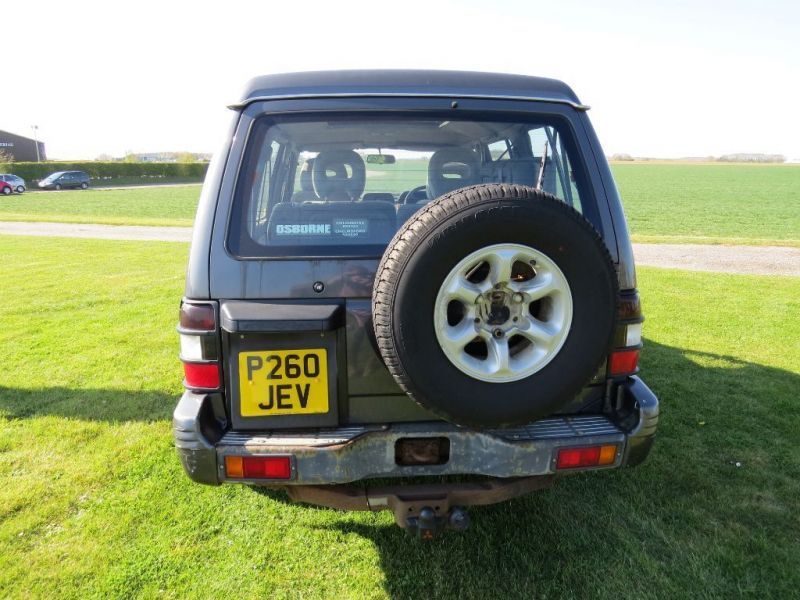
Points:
(587, 456)
(624, 358)
(623, 363)
(199, 317)
(199, 345)
(199, 375)
(258, 467)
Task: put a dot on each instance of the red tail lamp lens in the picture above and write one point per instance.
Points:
(571, 458)
(591, 456)
(201, 375)
(622, 363)
(199, 317)
(258, 467)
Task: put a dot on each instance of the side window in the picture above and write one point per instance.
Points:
(553, 165)
(303, 186)
(261, 191)
(499, 150)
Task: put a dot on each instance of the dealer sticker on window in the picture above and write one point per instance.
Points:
(350, 227)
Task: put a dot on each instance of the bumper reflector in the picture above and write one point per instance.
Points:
(258, 467)
(201, 375)
(623, 363)
(590, 456)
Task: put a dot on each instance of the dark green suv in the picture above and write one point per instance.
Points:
(399, 274)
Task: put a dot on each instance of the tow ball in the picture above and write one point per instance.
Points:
(427, 524)
(424, 510)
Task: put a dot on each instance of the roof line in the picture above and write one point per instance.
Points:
(244, 103)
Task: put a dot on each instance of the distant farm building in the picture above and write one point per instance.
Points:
(20, 148)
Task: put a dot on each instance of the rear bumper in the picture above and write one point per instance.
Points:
(347, 454)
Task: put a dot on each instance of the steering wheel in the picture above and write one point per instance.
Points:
(411, 196)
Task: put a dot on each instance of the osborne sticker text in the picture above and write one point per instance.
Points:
(303, 229)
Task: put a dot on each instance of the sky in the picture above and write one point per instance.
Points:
(664, 79)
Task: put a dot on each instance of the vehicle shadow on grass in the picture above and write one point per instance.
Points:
(86, 404)
(626, 531)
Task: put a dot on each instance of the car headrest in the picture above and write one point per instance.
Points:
(331, 179)
(452, 168)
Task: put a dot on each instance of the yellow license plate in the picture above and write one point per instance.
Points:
(283, 382)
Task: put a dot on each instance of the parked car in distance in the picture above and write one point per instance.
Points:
(65, 180)
(5, 188)
(16, 182)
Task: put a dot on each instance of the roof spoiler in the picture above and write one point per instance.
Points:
(243, 103)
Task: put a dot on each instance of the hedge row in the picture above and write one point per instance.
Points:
(32, 172)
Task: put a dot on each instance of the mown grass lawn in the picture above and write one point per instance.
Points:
(160, 206)
(93, 502)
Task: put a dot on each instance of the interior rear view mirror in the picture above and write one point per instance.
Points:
(380, 159)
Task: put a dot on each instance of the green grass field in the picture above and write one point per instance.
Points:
(742, 204)
(729, 204)
(93, 502)
(174, 205)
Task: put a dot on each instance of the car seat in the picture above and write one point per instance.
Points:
(448, 169)
(330, 177)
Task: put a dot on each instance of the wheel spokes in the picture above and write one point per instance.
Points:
(538, 332)
(458, 336)
(465, 291)
(499, 355)
(537, 288)
(501, 263)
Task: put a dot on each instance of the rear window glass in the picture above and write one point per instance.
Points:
(343, 185)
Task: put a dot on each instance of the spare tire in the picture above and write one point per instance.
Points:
(494, 305)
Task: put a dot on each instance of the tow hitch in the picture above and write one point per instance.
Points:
(427, 524)
(423, 510)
